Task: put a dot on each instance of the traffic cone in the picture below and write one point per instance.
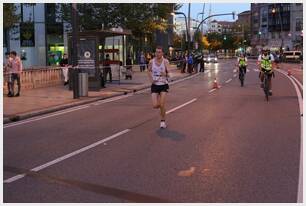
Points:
(216, 86)
(289, 72)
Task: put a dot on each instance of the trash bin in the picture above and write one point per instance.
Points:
(83, 84)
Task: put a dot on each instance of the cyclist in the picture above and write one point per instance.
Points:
(266, 64)
(242, 63)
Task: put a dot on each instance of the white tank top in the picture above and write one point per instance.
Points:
(156, 73)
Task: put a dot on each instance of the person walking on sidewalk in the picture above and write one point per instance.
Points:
(107, 68)
(16, 64)
(190, 64)
(158, 73)
(7, 68)
(128, 74)
(65, 68)
(142, 62)
(202, 64)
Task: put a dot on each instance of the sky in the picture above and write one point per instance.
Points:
(216, 8)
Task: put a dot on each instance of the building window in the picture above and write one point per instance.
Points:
(299, 24)
(27, 13)
(286, 8)
(27, 34)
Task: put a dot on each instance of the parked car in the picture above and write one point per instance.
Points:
(292, 56)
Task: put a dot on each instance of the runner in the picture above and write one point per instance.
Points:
(158, 74)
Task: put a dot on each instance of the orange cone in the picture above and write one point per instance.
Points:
(289, 72)
(216, 86)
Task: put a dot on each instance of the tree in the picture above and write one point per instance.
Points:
(142, 19)
(215, 41)
(10, 19)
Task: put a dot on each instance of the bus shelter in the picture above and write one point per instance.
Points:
(92, 47)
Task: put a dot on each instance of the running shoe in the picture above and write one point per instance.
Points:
(163, 124)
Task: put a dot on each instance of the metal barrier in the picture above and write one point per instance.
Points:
(37, 78)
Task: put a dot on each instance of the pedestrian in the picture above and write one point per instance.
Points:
(184, 63)
(17, 67)
(65, 68)
(158, 75)
(128, 62)
(190, 64)
(7, 68)
(142, 62)
(107, 69)
(148, 59)
(202, 64)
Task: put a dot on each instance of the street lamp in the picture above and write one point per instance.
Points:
(75, 49)
(233, 13)
(187, 30)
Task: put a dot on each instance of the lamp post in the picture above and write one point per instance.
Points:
(233, 13)
(187, 30)
(74, 48)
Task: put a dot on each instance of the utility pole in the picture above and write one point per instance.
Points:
(189, 43)
(203, 17)
(75, 50)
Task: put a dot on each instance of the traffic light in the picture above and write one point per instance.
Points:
(259, 32)
(224, 37)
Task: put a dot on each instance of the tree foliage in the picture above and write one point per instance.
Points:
(10, 18)
(138, 17)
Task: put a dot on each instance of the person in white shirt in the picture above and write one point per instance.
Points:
(158, 75)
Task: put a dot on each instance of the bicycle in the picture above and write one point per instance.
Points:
(267, 77)
(241, 76)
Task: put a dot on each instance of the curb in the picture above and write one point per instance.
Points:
(28, 115)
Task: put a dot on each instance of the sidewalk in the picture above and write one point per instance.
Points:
(50, 99)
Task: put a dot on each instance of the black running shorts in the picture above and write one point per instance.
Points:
(159, 88)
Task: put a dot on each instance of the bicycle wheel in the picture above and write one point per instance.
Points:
(241, 78)
(266, 86)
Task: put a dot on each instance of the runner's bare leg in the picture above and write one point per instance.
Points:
(162, 105)
(155, 100)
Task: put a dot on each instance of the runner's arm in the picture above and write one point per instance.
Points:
(149, 72)
(167, 66)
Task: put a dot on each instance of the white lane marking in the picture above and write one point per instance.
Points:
(248, 70)
(60, 159)
(298, 82)
(189, 77)
(256, 70)
(44, 117)
(235, 75)
(300, 100)
(229, 80)
(178, 107)
(210, 91)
